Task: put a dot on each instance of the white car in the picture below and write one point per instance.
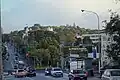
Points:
(57, 72)
(111, 74)
(20, 73)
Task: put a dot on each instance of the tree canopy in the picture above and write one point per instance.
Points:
(43, 44)
(113, 29)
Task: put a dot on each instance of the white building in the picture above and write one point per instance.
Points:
(49, 29)
(105, 40)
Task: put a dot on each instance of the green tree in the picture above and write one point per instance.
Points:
(113, 29)
(54, 55)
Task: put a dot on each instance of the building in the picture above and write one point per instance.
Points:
(105, 40)
(50, 29)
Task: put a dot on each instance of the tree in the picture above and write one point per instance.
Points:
(87, 40)
(113, 29)
(5, 38)
(54, 55)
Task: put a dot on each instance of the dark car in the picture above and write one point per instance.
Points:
(31, 72)
(78, 74)
(48, 71)
(16, 54)
(16, 58)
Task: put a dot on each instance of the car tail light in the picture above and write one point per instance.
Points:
(86, 74)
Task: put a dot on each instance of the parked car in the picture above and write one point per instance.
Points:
(16, 58)
(108, 67)
(15, 61)
(56, 72)
(48, 71)
(78, 74)
(111, 74)
(21, 73)
(31, 72)
(16, 54)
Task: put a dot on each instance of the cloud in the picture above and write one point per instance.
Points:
(53, 12)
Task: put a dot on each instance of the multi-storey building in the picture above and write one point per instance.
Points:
(104, 40)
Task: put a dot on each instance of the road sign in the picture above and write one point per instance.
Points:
(94, 53)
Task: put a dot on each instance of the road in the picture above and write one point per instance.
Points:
(8, 65)
(41, 76)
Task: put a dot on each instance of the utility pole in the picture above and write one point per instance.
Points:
(1, 65)
(99, 42)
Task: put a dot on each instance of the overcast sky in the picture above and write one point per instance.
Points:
(17, 13)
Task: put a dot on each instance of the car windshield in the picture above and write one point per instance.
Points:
(115, 73)
(20, 70)
(48, 69)
(57, 69)
(78, 72)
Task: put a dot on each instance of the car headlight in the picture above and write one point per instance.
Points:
(47, 72)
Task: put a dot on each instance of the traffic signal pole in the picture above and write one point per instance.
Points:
(1, 65)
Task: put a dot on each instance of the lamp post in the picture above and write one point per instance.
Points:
(98, 25)
(1, 64)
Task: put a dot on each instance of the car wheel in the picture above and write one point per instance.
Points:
(62, 75)
(86, 78)
(45, 74)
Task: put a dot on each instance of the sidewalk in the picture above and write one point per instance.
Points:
(9, 77)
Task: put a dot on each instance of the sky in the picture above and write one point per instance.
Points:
(17, 13)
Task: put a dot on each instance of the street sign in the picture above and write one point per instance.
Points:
(94, 53)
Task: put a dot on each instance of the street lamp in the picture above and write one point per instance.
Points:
(1, 64)
(98, 25)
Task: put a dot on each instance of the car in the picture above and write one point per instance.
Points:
(48, 71)
(56, 72)
(21, 73)
(78, 74)
(111, 74)
(16, 58)
(16, 54)
(108, 67)
(15, 61)
(15, 67)
(31, 72)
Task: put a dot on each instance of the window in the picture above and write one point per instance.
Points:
(107, 73)
(108, 38)
(57, 69)
(103, 46)
(115, 73)
(78, 71)
(20, 70)
(104, 38)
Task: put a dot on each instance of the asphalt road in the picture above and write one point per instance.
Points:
(41, 76)
(8, 65)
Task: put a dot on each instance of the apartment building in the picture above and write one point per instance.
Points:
(105, 40)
